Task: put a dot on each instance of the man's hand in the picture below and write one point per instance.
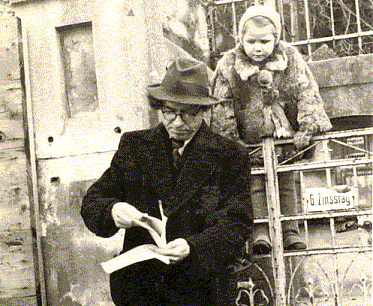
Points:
(124, 214)
(176, 250)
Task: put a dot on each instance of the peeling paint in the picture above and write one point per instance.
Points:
(51, 207)
(76, 296)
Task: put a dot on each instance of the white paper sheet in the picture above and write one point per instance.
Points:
(138, 254)
(157, 229)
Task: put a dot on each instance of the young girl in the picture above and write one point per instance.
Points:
(267, 89)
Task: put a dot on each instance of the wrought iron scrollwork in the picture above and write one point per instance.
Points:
(247, 288)
(365, 287)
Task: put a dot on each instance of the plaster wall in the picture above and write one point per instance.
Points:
(346, 85)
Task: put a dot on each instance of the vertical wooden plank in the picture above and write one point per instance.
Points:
(327, 157)
(234, 20)
(16, 263)
(32, 179)
(274, 212)
(294, 19)
(16, 260)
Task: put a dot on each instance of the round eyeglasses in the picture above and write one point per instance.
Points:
(171, 115)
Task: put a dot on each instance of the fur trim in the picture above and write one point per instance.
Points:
(245, 68)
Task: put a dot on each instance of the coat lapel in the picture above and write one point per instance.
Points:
(198, 167)
(157, 163)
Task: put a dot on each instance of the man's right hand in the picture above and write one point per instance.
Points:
(124, 214)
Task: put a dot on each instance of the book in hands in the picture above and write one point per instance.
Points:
(157, 229)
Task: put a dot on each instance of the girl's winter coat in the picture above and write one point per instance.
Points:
(280, 98)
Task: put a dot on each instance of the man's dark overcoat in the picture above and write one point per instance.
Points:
(207, 203)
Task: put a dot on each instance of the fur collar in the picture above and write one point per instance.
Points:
(245, 68)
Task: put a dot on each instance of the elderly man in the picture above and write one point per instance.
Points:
(203, 183)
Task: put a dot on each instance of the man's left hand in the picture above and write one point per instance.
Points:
(176, 250)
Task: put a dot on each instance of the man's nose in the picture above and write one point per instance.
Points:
(178, 120)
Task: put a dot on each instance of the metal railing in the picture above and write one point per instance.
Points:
(321, 29)
(284, 270)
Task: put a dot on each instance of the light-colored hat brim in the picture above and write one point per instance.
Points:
(159, 93)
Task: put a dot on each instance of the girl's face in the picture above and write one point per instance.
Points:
(258, 42)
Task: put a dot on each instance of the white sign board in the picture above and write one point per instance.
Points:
(324, 199)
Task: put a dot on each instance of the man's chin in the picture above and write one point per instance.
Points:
(179, 136)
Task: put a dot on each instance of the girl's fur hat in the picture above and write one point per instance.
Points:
(263, 11)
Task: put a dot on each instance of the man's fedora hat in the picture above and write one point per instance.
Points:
(186, 81)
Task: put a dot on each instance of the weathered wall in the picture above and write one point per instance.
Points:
(346, 84)
(16, 268)
(16, 263)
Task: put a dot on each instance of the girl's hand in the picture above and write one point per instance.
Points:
(302, 139)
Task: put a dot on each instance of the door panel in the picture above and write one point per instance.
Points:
(84, 89)
(72, 254)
